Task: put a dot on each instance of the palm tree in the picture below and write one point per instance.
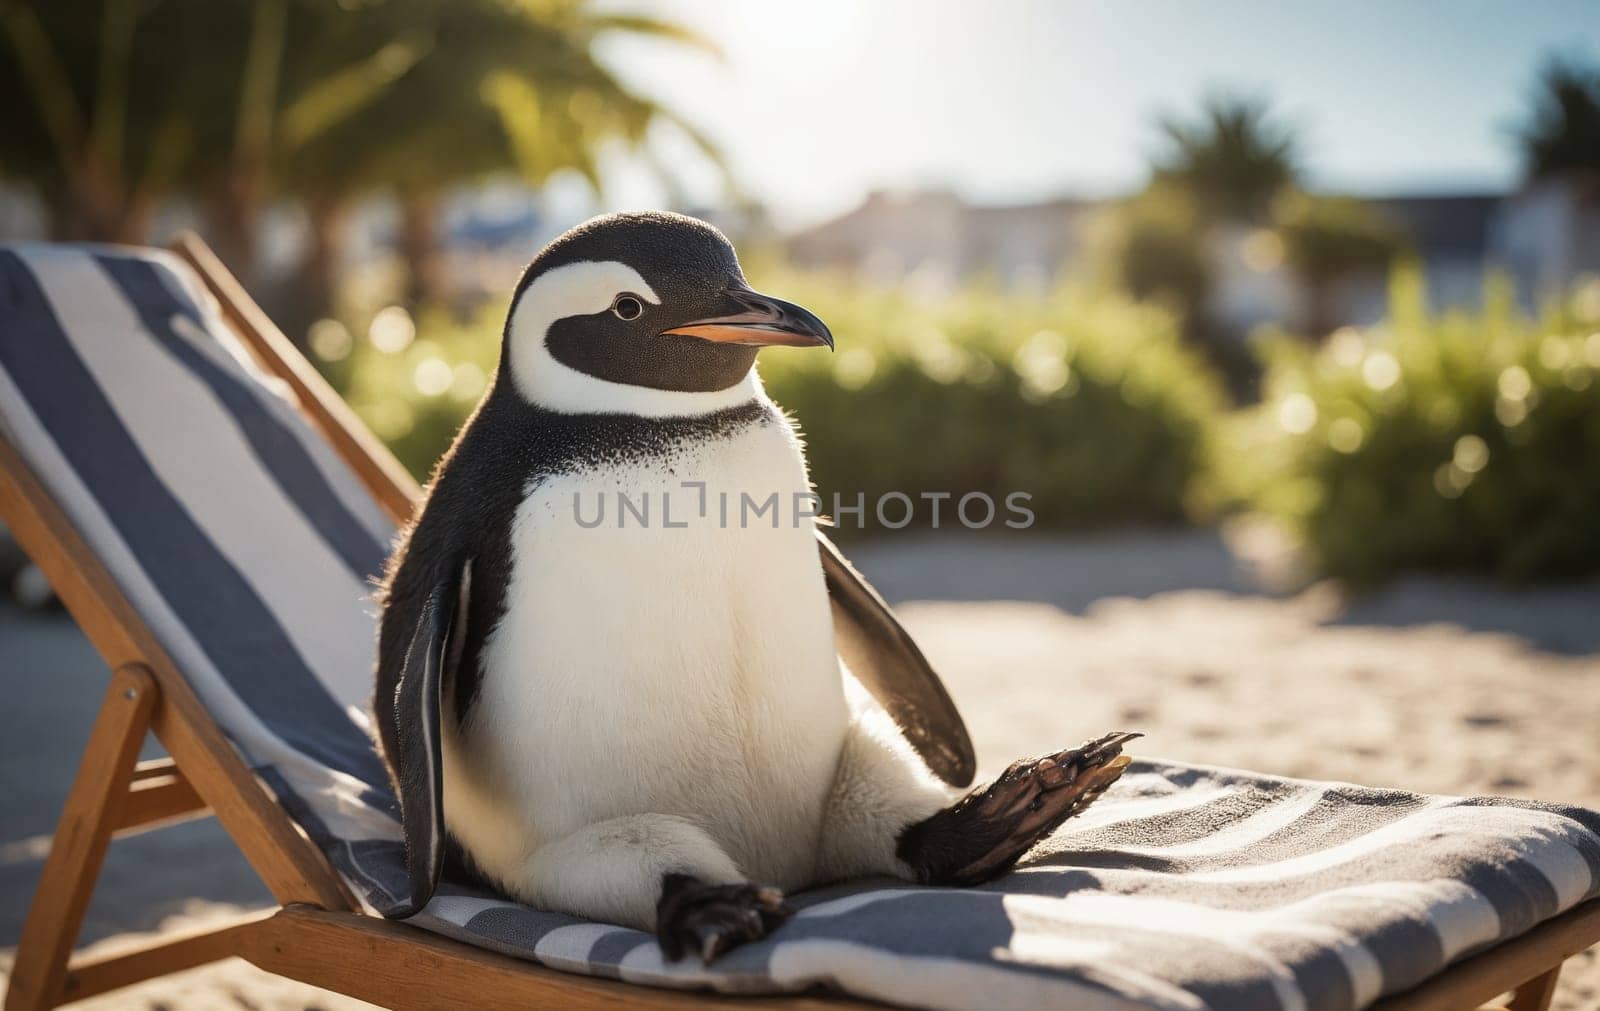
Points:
(1562, 135)
(497, 88)
(110, 106)
(1232, 160)
(1328, 239)
(107, 106)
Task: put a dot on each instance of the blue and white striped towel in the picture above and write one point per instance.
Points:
(248, 546)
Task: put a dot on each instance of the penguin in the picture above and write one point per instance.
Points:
(667, 720)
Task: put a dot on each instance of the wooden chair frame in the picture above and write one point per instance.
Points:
(318, 934)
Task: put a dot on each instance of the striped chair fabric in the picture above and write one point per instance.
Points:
(249, 548)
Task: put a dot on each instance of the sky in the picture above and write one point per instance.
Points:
(1006, 101)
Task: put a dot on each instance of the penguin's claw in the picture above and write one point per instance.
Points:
(710, 920)
(985, 833)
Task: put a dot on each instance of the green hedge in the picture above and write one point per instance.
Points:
(412, 391)
(1441, 442)
(1088, 402)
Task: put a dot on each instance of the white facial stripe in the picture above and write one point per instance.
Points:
(581, 289)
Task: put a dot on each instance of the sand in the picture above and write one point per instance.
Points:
(1432, 685)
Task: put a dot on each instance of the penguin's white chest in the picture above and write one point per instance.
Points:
(664, 649)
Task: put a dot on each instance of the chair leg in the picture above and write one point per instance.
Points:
(1536, 993)
(91, 814)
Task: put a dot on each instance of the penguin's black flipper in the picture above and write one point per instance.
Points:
(408, 698)
(888, 663)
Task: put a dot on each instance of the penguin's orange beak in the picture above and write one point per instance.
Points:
(758, 320)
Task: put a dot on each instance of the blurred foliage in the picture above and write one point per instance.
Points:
(1226, 165)
(1561, 135)
(1233, 169)
(461, 89)
(340, 96)
(1462, 441)
(1327, 237)
(109, 107)
(1232, 159)
(412, 391)
(1154, 247)
(1087, 401)
(1155, 243)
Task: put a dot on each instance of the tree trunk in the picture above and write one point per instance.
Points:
(419, 246)
(315, 287)
(233, 216)
(92, 208)
(1319, 307)
(138, 214)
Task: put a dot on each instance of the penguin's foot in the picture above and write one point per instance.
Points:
(712, 919)
(983, 834)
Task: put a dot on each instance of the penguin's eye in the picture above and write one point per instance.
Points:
(626, 307)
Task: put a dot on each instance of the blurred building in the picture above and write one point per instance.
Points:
(1452, 237)
(1549, 234)
(1544, 237)
(934, 234)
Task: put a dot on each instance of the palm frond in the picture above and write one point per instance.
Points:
(344, 93)
(651, 27)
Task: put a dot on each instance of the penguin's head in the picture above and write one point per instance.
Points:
(644, 314)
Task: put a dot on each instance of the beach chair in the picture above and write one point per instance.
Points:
(210, 513)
